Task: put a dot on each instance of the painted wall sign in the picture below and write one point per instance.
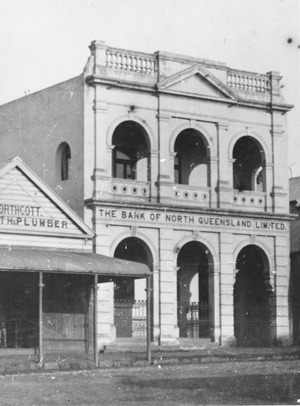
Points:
(28, 216)
(178, 219)
(27, 208)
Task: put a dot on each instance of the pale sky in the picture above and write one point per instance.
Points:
(43, 42)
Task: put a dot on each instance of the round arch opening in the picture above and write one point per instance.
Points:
(194, 263)
(252, 299)
(130, 294)
(131, 152)
(191, 165)
(248, 165)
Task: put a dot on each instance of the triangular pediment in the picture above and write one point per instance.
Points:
(28, 205)
(197, 81)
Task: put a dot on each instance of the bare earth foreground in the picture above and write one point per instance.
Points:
(268, 382)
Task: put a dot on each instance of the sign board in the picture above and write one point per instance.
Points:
(174, 219)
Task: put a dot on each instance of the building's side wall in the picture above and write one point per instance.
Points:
(34, 126)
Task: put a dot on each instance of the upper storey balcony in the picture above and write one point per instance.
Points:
(144, 159)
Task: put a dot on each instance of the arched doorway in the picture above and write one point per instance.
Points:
(130, 294)
(191, 162)
(194, 260)
(252, 310)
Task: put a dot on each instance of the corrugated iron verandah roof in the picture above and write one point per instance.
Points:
(56, 261)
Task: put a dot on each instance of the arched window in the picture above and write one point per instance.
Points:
(249, 165)
(63, 157)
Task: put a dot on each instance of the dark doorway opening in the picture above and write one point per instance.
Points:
(252, 315)
(19, 309)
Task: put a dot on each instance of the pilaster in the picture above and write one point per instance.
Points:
(164, 158)
(98, 52)
(281, 289)
(169, 331)
(227, 279)
(100, 176)
(154, 165)
(214, 161)
(155, 307)
(269, 186)
(224, 187)
(280, 175)
(214, 304)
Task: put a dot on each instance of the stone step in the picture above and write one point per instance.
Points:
(129, 344)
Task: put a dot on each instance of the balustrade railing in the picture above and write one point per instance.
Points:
(248, 82)
(130, 188)
(130, 61)
(192, 194)
(250, 199)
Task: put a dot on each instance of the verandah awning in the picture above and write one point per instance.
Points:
(54, 261)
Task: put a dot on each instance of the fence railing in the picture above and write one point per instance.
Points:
(193, 319)
(131, 318)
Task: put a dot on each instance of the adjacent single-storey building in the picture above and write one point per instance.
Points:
(49, 275)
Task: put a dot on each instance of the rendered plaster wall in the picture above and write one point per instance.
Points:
(34, 126)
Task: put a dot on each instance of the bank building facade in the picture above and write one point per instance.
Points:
(178, 163)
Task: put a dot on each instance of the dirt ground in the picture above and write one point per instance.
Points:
(255, 383)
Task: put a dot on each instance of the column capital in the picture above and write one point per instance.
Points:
(222, 125)
(163, 116)
(277, 132)
(100, 106)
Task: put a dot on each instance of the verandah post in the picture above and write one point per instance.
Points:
(40, 317)
(96, 354)
(148, 289)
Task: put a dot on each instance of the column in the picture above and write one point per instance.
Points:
(227, 280)
(269, 186)
(280, 173)
(169, 332)
(164, 167)
(214, 181)
(224, 187)
(281, 289)
(154, 156)
(214, 304)
(100, 176)
(155, 299)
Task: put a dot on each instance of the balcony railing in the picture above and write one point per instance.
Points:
(130, 61)
(250, 200)
(192, 194)
(127, 188)
(248, 82)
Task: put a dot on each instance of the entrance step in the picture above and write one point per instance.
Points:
(138, 345)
